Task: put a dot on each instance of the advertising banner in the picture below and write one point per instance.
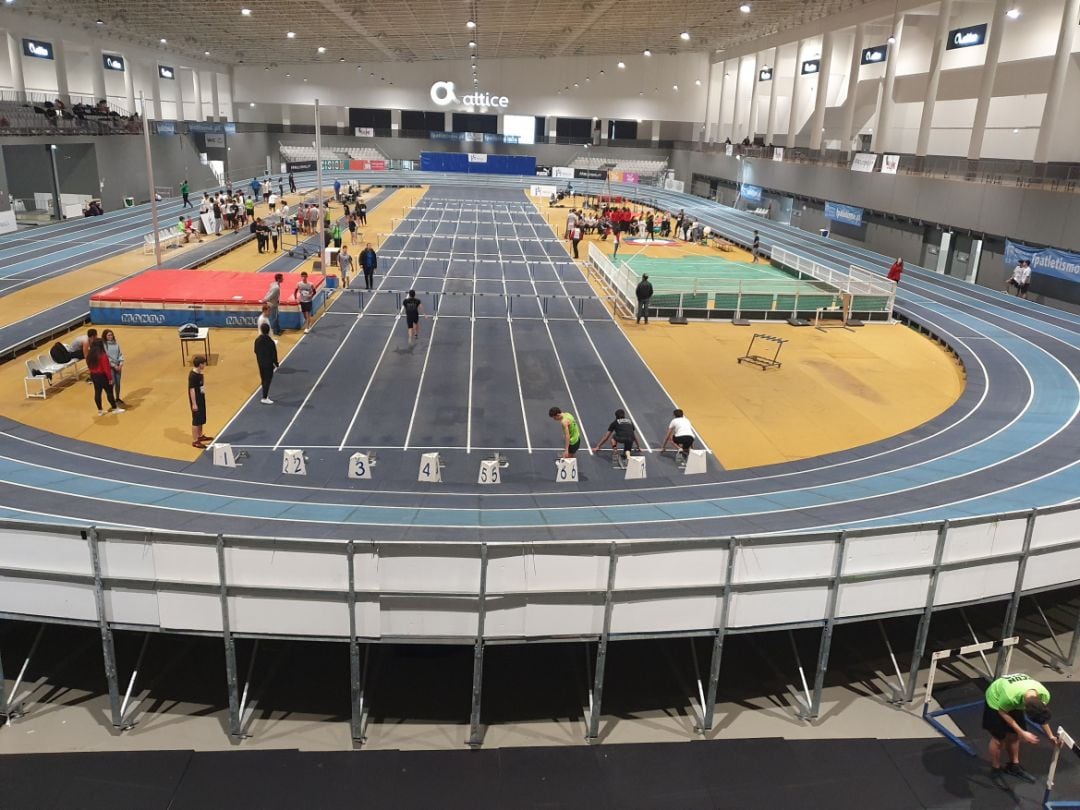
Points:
(848, 214)
(729, 149)
(333, 165)
(477, 157)
(750, 193)
(365, 132)
(614, 176)
(966, 37)
(215, 139)
(590, 174)
(543, 171)
(778, 153)
(301, 166)
(889, 164)
(165, 127)
(476, 137)
(671, 184)
(631, 177)
(229, 128)
(1046, 261)
(542, 191)
(562, 171)
(863, 162)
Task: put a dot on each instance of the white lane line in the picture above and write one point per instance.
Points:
(472, 355)
(517, 369)
(371, 379)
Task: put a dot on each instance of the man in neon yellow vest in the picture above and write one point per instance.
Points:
(571, 431)
(1010, 701)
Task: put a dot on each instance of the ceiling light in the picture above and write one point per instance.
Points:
(601, 73)
(472, 44)
(206, 53)
(697, 82)
(685, 36)
(266, 68)
(252, 104)
(1016, 132)
(575, 84)
(291, 35)
(675, 87)
(745, 8)
(470, 24)
(321, 49)
(288, 75)
(892, 39)
(646, 52)
(246, 12)
(163, 41)
(359, 67)
(621, 65)
(1012, 13)
(100, 22)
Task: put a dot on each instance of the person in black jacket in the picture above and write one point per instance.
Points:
(266, 357)
(644, 292)
(369, 263)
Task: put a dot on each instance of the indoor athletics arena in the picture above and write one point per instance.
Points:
(506, 405)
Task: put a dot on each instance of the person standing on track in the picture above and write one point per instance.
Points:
(267, 360)
(575, 237)
(571, 430)
(184, 189)
(273, 298)
(413, 309)
(292, 183)
(680, 433)
(755, 249)
(116, 361)
(617, 236)
(97, 360)
(1010, 701)
(361, 211)
(337, 189)
(644, 293)
(369, 263)
(305, 294)
(896, 271)
(1021, 278)
(621, 432)
(197, 400)
(345, 260)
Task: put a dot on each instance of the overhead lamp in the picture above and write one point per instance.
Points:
(1016, 132)
(675, 87)
(291, 35)
(745, 8)
(163, 41)
(252, 104)
(206, 53)
(470, 24)
(246, 12)
(892, 39)
(685, 36)
(1012, 13)
(472, 43)
(601, 73)
(100, 22)
(697, 82)
(575, 84)
(321, 49)
(288, 75)
(359, 67)
(646, 52)
(621, 65)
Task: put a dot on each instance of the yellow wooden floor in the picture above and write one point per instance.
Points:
(835, 390)
(158, 419)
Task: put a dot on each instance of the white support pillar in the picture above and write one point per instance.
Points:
(796, 84)
(1057, 80)
(157, 91)
(395, 121)
(215, 96)
(654, 134)
(234, 103)
(720, 106)
(605, 125)
(882, 129)
(738, 113)
(848, 133)
(817, 120)
(129, 85)
(926, 122)
(286, 116)
(60, 61)
(97, 73)
(989, 73)
(770, 122)
(751, 123)
(196, 81)
(448, 122)
(18, 83)
(179, 84)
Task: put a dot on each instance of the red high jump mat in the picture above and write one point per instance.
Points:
(205, 297)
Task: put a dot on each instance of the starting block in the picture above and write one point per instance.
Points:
(430, 468)
(695, 463)
(360, 465)
(566, 471)
(293, 462)
(223, 456)
(489, 472)
(635, 467)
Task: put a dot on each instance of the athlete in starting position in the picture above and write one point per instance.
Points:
(571, 431)
(621, 432)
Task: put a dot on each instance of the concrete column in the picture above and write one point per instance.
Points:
(129, 85)
(817, 120)
(922, 143)
(234, 104)
(793, 121)
(1057, 80)
(882, 128)
(60, 62)
(720, 106)
(179, 83)
(654, 135)
(18, 83)
(848, 132)
(751, 122)
(605, 124)
(448, 122)
(157, 90)
(989, 73)
(286, 117)
(215, 96)
(342, 117)
(97, 73)
(549, 125)
(770, 123)
(196, 82)
(395, 121)
(739, 111)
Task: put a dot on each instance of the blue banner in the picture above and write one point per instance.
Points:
(204, 127)
(166, 127)
(750, 193)
(1047, 261)
(848, 214)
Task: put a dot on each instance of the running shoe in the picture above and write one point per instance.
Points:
(1016, 770)
(117, 410)
(266, 401)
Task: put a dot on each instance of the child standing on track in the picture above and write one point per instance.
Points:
(413, 309)
(571, 430)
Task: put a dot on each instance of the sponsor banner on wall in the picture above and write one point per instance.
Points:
(889, 164)
(671, 184)
(112, 62)
(614, 176)
(875, 55)
(543, 171)
(810, 67)
(542, 191)
(215, 139)
(364, 132)
(631, 177)
(848, 214)
(477, 157)
(750, 193)
(729, 149)
(475, 137)
(446, 136)
(778, 153)
(165, 127)
(562, 171)
(229, 128)
(968, 37)
(37, 48)
(863, 162)
(333, 165)
(301, 166)
(1046, 261)
(590, 174)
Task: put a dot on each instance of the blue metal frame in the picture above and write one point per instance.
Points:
(931, 718)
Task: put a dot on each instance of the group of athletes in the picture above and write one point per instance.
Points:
(622, 434)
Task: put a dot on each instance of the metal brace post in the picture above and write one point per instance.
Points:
(357, 678)
(923, 631)
(108, 645)
(235, 730)
(1074, 645)
(593, 730)
(12, 708)
(709, 710)
(825, 645)
(1009, 625)
(476, 734)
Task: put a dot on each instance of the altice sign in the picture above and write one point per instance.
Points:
(966, 37)
(442, 93)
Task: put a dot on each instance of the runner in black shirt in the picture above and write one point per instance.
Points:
(621, 432)
(413, 308)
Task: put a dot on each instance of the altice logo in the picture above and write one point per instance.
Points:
(442, 93)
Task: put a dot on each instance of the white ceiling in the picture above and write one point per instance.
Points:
(357, 31)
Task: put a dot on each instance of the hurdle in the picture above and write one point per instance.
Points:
(760, 360)
(1004, 647)
(1066, 742)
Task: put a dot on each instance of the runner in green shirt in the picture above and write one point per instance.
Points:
(571, 431)
(1010, 702)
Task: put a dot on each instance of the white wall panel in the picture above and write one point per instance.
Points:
(177, 562)
(984, 540)
(39, 598)
(967, 584)
(271, 568)
(762, 608)
(555, 619)
(704, 566)
(664, 615)
(132, 607)
(797, 560)
(413, 617)
(189, 611)
(546, 572)
(44, 552)
(1052, 568)
(891, 552)
(883, 596)
(1055, 528)
(248, 614)
(432, 573)
(127, 560)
